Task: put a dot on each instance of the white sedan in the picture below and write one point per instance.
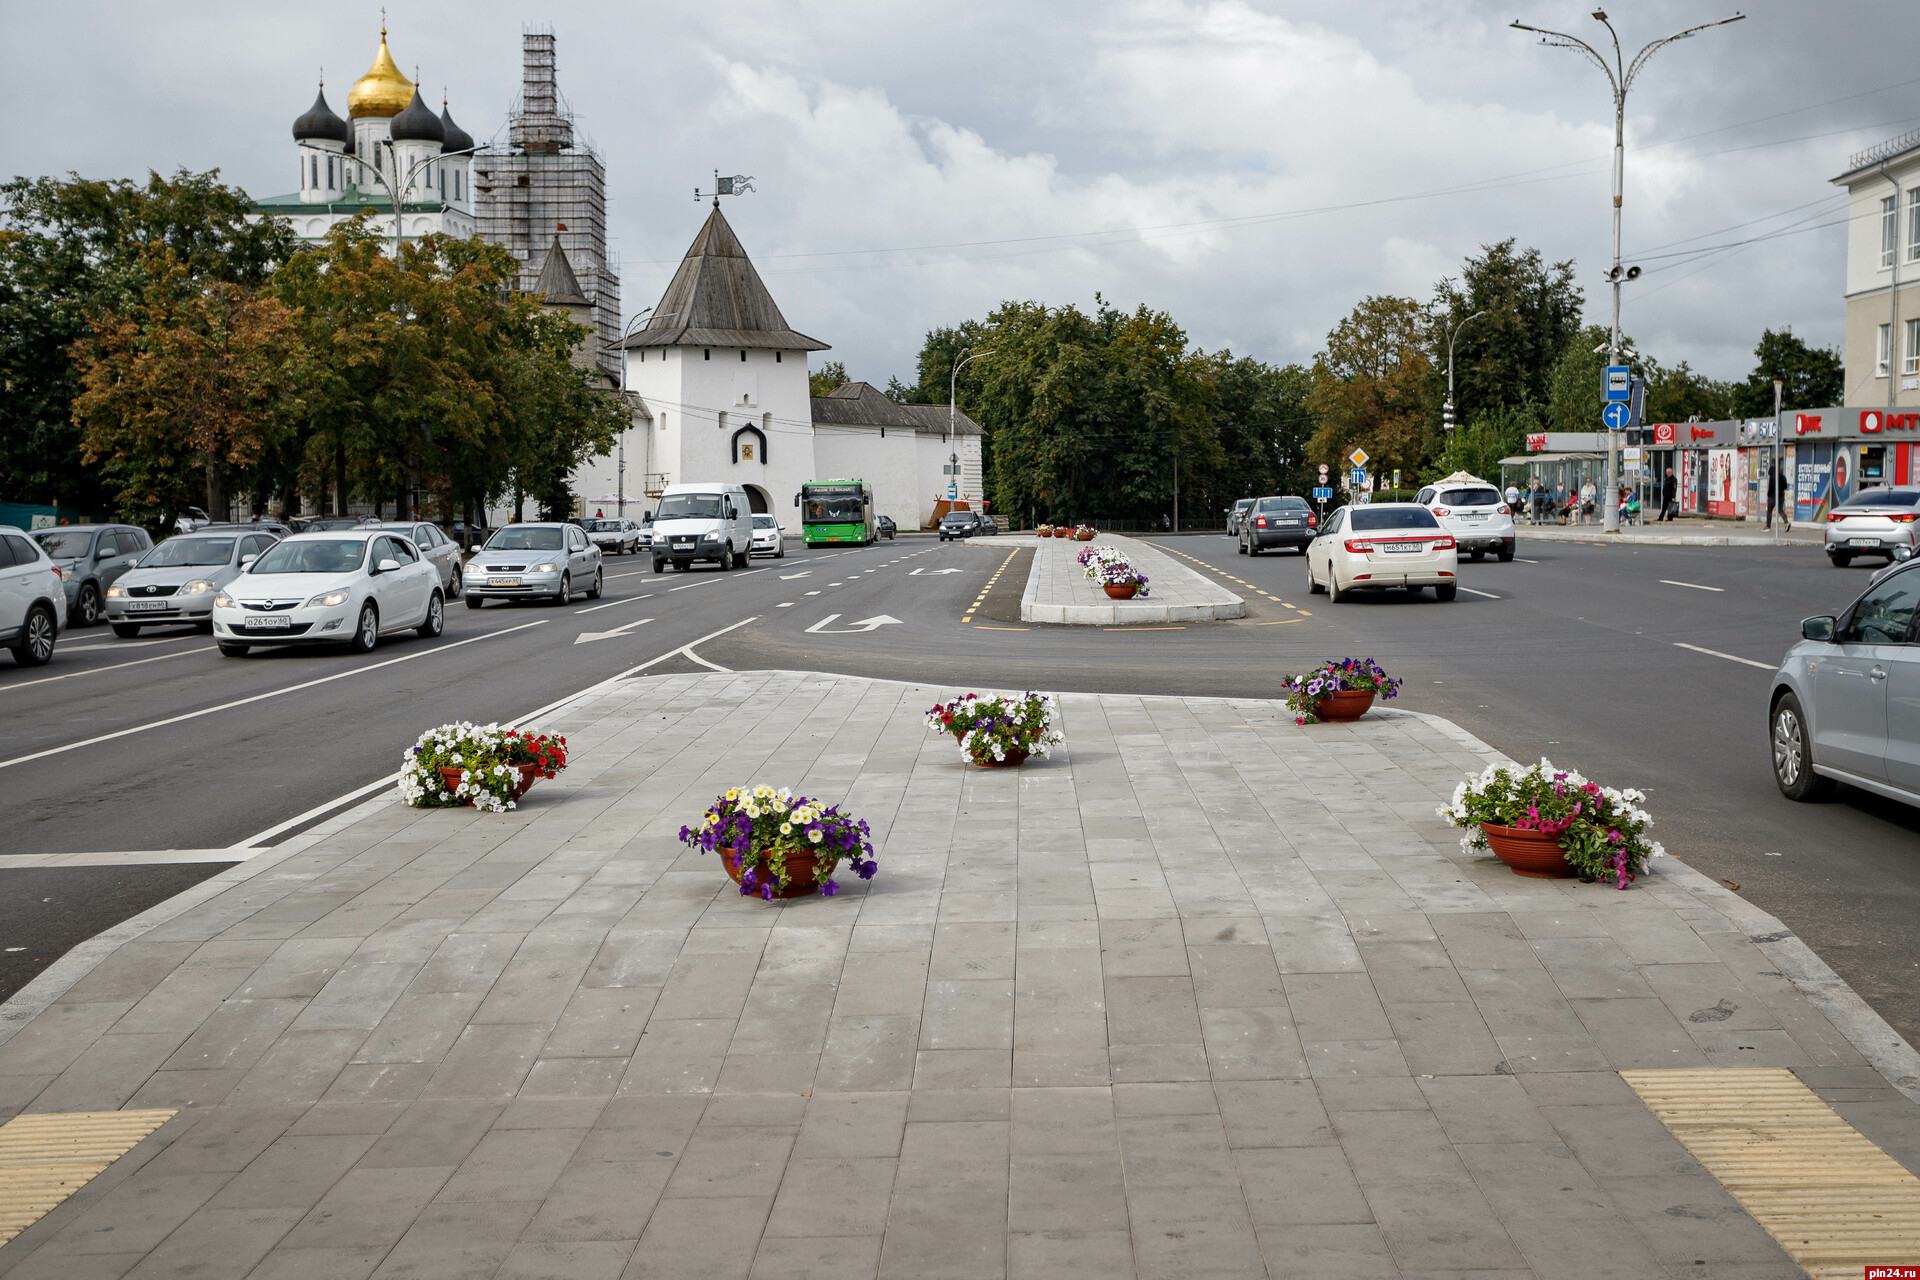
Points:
(1388, 544)
(767, 535)
(346, 587)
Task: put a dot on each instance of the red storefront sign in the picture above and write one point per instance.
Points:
(1663, 433)
(1805, 422)
(1701, 433)
(1537, 443)
(1872, 420)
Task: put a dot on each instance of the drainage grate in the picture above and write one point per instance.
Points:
(1836, 1202)
(46, 1158)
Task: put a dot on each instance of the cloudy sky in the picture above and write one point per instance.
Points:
(1252, 166)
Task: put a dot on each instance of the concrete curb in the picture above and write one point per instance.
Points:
(1224, 604)
(1864, 1029)
(1527, 533)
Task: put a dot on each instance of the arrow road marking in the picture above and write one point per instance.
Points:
(914, 573)
(865, 624)
(585, 636)
(789, 577)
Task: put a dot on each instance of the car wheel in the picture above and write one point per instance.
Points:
(474, 602)
(1445, 591)
(1334, 594)
(565, 594)
(659, 566)
(232, 650)
(781, 554)
(366, 632)
(1506, 551)
(1313, 583)
(436, 620)
(89, 606)
(126, 630)
(593, 592)
(1793, 753)
(34, 648)
(1841, 559)
(1240, 545)
(457, 587)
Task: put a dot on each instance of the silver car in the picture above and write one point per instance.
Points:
(33, 606)
(1872, 523)
(1845, 704)
(534, 562)
(436, 548)
(91, 557)
(177, 580)
(612, 535)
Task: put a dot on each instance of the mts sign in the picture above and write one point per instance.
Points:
(1872, 420)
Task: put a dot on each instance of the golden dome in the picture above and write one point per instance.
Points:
(383, 91)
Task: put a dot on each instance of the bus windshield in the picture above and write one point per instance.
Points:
(832, 508)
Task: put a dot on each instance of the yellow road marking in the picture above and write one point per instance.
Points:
(1836, 1202)
(46, 1158)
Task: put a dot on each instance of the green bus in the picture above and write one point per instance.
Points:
(836, 511)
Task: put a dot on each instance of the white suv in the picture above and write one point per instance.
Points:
(33, 599)
(1473, 512)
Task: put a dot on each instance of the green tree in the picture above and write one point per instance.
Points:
(1263, 417)
(71, 251)
(1370, 387)
(1506, 357)
(1814, 376)
(1478, 446)
(1678, 394)
(828, 378)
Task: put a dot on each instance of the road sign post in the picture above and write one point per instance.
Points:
(1616, 416)
(1619, 384)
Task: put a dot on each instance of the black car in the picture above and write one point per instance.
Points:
(1277, 522)
(959, 524)
(883, 527)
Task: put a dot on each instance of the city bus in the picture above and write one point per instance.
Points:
(836, 511)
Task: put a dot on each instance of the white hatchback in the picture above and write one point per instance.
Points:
(1382, 546)
(1473, 512)
(767, 537)
(347, 587)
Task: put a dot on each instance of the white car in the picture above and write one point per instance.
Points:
(768, 538)
(1473, 512)
(1385, 545)
(348, 587)
(33, 599)
(1873, 523)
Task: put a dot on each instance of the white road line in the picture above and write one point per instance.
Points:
(1524, 560)
(94, 671)
(629, 600)
(1715, 653)
(1488, 594)
(1696, 586)
(128, 644)
(261, 697)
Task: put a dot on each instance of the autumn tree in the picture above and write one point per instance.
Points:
(1370, 385)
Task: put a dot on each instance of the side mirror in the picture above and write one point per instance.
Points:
(1903, 553)
(389, 565)
(1820, 628)
(247, 560)
(796, 499)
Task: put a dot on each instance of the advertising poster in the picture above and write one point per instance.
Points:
(1813, 467)
(1720, 482)
(1691, 466)
(1843, 477)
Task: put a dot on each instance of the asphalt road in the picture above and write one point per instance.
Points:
(1572, 651)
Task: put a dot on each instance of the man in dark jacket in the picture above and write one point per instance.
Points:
(1776, 500)
(1669, 496)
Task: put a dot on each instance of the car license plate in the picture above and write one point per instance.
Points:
(144, 606)
(1471, 519)
(1865, 542)
(272, 622)
(503, 582)
(1403, 547)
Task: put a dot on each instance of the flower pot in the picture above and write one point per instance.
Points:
(800, 872)
(1062, 533)
(1013, 758)
(1347, 704)
(519, 788)
(1083, 537)
(1123, 592)
(1529, 853)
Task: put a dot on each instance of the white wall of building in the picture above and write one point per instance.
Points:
(887, 464)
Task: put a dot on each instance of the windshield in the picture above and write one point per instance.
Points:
(178, 553)
(523, 538)
(689, 506)
(67, 545)
(1283, 504)
(1375, 518)
(1469, 498)
(839, 509)
(329, 556)
(1880, 498)
(765, 522)
(330, 523)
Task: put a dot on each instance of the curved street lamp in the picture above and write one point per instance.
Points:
(953, 387)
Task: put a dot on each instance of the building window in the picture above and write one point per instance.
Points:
(706, 354)
(1881, 357)
(1910, 363)
(743, 356)
(456, 186)
(1889, 229)
(378, 166)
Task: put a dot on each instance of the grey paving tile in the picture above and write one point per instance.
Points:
(567, 1260)
(457, 1240)
(1052, 1255)
(817, 1258)
(606, 1200)
(955, 1235)
(1355, 1251)
(1300, 1186)
(682, 1243)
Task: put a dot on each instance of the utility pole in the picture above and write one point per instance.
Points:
(1775, 478)
(1893, 290)
(1446, 413)
(1620, 77)
(953, 396)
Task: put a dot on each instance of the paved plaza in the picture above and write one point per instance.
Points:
(1203, 994)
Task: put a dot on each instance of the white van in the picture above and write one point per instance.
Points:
(702, 522)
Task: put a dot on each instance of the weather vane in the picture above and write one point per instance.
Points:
(738, 185)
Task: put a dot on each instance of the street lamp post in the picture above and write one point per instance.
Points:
(1620, 76)
(399, 232)
(620, 490)
(953, 392)
(1446, 413)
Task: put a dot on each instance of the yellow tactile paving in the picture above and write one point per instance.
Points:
(46, 1158)
(1836, 1202)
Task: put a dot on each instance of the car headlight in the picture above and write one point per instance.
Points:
(115, 591)
(198, 587)
(541, 568)
(330, 599)
(223, 601)
(709, 537)
(477, 571)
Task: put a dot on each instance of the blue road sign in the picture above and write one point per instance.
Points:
(1357, 477)
(1323, 495)
(1616, 416)
(1619, 383)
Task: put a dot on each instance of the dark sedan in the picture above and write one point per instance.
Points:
(1277, 522)
(959, 524)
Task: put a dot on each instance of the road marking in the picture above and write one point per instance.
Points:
(1139, 628)
(865, 624)
(1281, 623)
(981, 626)
(789, 577)
(784, 604)
(262, 697)
(629, 600)
(132, 644)
(704, 582)
(915, 573)
(1524, 560)
(813, 593)
(1488, 594)
(1715, 653)
(587, 637)
(1696, 586)
(137, 662)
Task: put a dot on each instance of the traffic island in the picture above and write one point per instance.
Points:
(1202, 992)
(1059, 591)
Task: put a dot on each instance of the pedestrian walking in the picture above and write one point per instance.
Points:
(1669, 497)
(1587, 494)
(1777, 500)
(1513, 497)
(1536, 500)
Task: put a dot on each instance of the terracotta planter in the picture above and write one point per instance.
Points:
(1348, 704)
(1529, 853)
(527, 774)
(1126, 592)
(800, 873)
(1062, 533)
(1083, 537)
(1013, 759)
(1043, 533)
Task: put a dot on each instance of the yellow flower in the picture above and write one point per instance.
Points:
(733, 793)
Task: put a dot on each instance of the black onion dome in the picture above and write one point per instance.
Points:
(457, 139)
(320, 124)
(417, 123)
